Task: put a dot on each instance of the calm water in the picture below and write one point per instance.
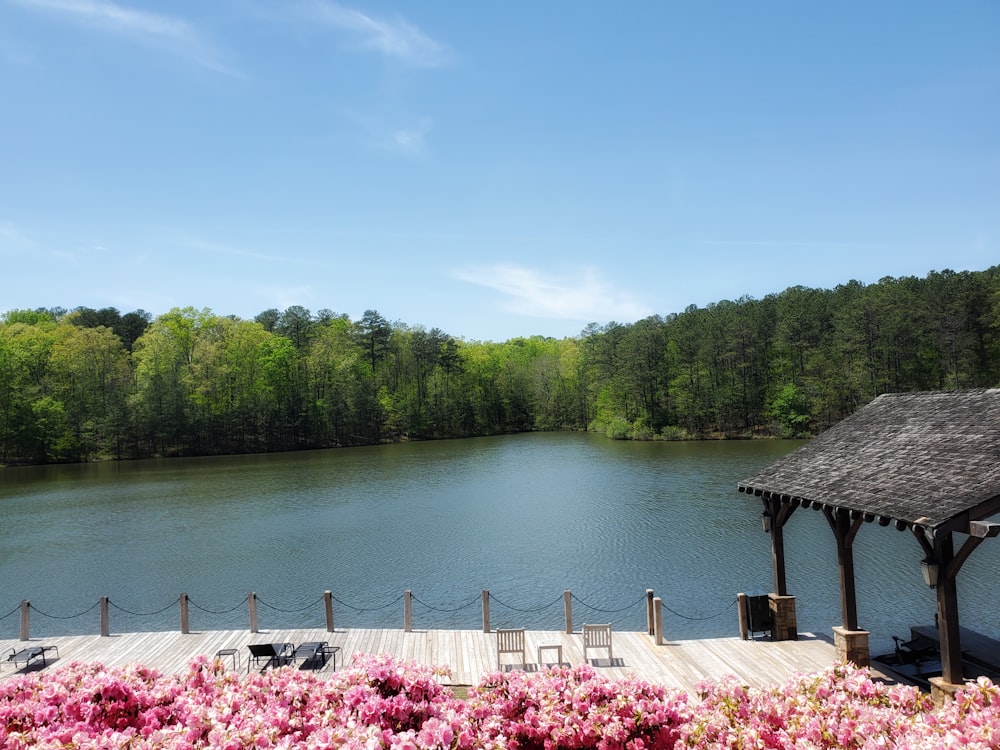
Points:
(525, 516)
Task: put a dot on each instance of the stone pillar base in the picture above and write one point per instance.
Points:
(784, 625)
(852, 645)
(942, 692)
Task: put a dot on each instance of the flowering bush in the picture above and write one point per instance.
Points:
(574, 708)
(377, 703)
(383, 703)
(838, 708)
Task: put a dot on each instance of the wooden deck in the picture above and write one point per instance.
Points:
(468, 653)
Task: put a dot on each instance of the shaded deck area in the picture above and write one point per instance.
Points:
(469, 654)
(919, 659)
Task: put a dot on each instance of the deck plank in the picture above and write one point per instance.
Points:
(469, 654)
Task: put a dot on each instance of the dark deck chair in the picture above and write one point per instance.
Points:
(313, 654)
(272, 654)
(27, 655)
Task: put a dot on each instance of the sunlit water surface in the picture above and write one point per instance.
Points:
(524, 516)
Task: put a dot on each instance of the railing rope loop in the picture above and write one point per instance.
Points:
(468, 604)
(143, 614)
(642, 600)
(65, 617)
(699, 619)
(529, 609)
(12, 612)
(218, 612)
(290, 611)
(369, 609)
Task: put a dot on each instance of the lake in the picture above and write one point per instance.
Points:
(525, 516)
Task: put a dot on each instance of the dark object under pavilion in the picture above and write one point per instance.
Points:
(927, 462)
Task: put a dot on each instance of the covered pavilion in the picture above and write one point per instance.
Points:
(927, 463)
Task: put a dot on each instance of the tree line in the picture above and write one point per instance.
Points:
(85, 384)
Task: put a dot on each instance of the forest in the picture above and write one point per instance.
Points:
(83, 384)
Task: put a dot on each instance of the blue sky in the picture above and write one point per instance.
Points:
(492, 169)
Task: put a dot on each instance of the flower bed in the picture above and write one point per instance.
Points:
(382, 703)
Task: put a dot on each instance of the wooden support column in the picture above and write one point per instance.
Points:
(252, 602)
(328, 607)
(742, 616)
(776, 514)
(939, 548)
(845, 529)
(185, 623)
(105, 618)
(486, 610)
(778, 559)
(25, 620)
(649, 611)
(658, 621)
(568, 606)
(407, 611)
(947, 605)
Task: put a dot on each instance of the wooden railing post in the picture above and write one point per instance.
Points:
(486, 610)
(25, 619)
(252, 601)
(658, 621)
(407, 611)
(328, 606)
(741, 611)
(184, 614)
(568, 606)
(105, 618)
(649, 611)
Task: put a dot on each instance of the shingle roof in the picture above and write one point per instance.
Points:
(924, 459)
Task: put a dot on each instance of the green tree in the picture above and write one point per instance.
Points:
(25, 350)
(296, 325)
(373, 333)
(163, 402)
(343, 403)
(91, 378)
(790, 410)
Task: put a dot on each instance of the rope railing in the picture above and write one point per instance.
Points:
(702, 619)
(654, 610)
(139, 614)
(12, 612)
(63, 617)
(609, 611)
(219, 611)
(310, 605)
(526, 610)
(361, 610)
(444, 610)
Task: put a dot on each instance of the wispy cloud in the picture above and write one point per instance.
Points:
(211, 247)
(794, 244)
(169, 33)
(283, 297)
(218, 248)
(393, 37)
(12, 52)
(11, 237)
(409, 140)
(586, 297)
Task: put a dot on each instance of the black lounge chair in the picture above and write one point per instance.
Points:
(314, 654)
(27, 655)
(271, 654)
